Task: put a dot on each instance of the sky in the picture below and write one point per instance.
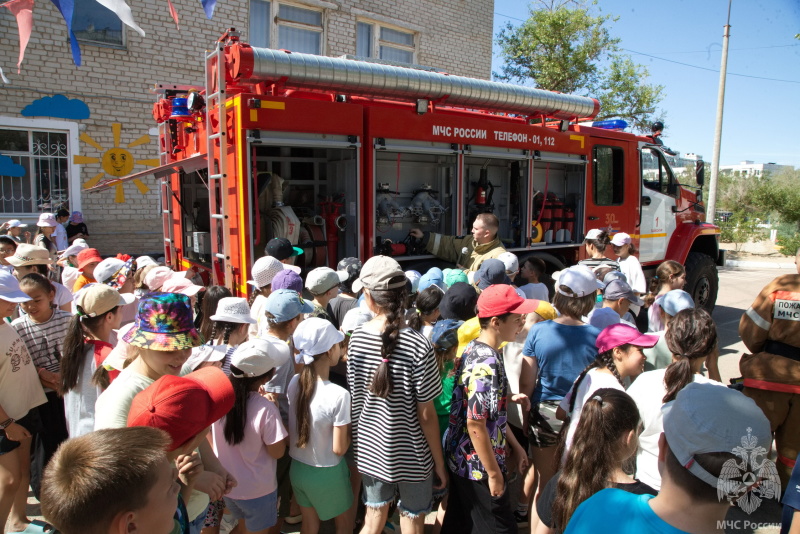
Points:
(757, 123)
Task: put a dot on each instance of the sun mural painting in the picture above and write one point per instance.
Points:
(116, 161)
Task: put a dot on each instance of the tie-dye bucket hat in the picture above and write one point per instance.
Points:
(164, 322)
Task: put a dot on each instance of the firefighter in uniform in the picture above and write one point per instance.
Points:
(770, 329)
(467, 252)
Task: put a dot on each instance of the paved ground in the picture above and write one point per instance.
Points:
(738, 288)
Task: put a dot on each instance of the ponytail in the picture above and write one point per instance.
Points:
(427, 302)
(665, 272)
(305, 392)
(390, 303)
(607, 416)
(691, 335)
(73, 352)
(236, 419)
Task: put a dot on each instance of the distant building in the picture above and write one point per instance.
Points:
(750, 168)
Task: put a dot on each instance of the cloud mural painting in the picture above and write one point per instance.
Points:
(57, 106)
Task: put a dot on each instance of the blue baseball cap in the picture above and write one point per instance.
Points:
(286, 304)
(434, 277)
(445, 333)
(675, 301)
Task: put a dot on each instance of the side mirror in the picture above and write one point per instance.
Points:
(700, 172)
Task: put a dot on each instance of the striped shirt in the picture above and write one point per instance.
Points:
(387, 437)
(594, 263)
(44, 340)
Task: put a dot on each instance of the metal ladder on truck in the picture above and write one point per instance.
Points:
(217, 151)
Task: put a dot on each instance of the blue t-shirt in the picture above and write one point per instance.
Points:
(615, 511)
(561, 352)
(791, 499)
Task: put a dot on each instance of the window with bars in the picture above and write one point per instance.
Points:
(289, 26)
(39, 171)
(377, 41)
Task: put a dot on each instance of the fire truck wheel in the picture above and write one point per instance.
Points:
(702, 280)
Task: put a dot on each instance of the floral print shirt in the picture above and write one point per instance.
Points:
(480, 392)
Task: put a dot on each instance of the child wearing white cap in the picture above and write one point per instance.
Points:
(14, 228)
(319, 428)
(596, 242)
(251, 438)
(45, 238)
(228, 329)
(624, 248)
(20, 393)
(554, 354)
(263, 271)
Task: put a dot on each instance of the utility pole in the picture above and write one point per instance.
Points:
(711, 208)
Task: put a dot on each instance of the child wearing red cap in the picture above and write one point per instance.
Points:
(476, 438)
(620, 356)
(88, 259)
(250, 438)
(185, 407)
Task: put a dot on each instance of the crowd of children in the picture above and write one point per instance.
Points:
(135, 399)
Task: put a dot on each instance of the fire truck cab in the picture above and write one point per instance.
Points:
(344, 157)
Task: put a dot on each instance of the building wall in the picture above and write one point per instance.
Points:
(453, 35)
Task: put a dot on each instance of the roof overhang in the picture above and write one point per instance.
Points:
(187, 165)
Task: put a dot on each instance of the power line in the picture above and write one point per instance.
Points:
(696, 66)
(709, 69)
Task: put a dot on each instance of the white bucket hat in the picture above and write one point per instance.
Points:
(233, 310)
(264, 270)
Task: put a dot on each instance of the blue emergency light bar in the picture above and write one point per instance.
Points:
(616, 124)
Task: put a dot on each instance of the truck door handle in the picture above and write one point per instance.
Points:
(593, 218)
(646, 201)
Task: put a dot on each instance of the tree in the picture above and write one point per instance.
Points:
(564, 47)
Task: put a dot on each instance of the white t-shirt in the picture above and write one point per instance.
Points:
(20, 389)
(69, 275)
(261, 326)
(284, 372)
(248, 461)
(79, 403)
(512, 359)
(594, 380)
(112, 406)
(632, 270)
(536, 291)
(648, 392)
(60, 234)
(329, 407)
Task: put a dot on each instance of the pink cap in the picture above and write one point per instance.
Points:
(620, 239)
(620, 334)
(181, 285)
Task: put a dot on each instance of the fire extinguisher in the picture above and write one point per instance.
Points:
(484, 191)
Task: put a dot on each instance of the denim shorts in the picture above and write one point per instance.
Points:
(415, 497)
(258, 514)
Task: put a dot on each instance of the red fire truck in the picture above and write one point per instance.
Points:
(344, 156)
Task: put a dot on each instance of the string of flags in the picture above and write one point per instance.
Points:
(23, 12)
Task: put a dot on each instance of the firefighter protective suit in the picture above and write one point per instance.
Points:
(770, 329)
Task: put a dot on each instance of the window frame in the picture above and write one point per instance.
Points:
(377, 42)
(667, 182)
(617, 177)
(275, 23)
(73, 169)
(123, 31)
